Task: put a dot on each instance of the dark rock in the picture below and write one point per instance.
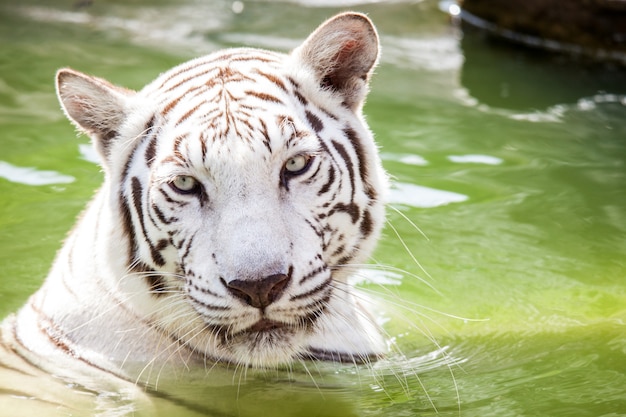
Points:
(589, 27)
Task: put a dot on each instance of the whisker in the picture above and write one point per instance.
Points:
(413, 308)
(406, 218)
(358, 268)
(308, 372)
(406, 248)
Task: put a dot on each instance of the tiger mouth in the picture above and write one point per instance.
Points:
(262, 334)
(265, 325)
(262, 327)
(266, 329)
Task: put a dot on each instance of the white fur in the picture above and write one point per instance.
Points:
(91, 308)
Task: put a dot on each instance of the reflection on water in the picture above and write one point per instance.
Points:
(475, 159)
(32, 176)
(500, 76)
(423, 197)
(511, 162)
(410, 159)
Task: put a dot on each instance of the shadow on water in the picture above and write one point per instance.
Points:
(501, 74)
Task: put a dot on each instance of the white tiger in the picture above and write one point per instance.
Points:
(239, 189)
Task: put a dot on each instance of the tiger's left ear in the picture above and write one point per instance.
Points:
(94, 105)
(342, 53)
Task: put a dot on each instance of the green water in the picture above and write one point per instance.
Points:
(514, 300)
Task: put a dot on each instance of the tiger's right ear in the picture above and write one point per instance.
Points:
(94, 105)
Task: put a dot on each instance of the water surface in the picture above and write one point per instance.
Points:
(504, 286)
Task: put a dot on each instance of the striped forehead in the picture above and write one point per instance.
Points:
(234, 103)
(221, 92)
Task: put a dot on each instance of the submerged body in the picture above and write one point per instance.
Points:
(240, 188)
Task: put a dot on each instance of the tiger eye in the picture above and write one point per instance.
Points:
(185, 184)
(297, 164)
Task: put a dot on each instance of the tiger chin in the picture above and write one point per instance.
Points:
(241, 190)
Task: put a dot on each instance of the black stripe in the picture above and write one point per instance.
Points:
(315, 308)
(349, 164)
(156, 282)
(314, 121)
(360, 154)
(127, 227)
(170, 199)
(367, 225)
(331, 180)
(203, 147)
(358, 148)
(124, 208)
(338, 251)
(137, 194)
(206, 291)
(155, 223)
(313, 175)
(187, 248)
(312, 226)
(312, 274)
(151, 148)
(350, 208)
(346, 259)
(205, 305)
(161, 216)
(266, 136)
(319, 288)
(300, 98)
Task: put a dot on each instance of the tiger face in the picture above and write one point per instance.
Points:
(240, 189)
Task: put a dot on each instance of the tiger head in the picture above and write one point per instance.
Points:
(243, 189)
